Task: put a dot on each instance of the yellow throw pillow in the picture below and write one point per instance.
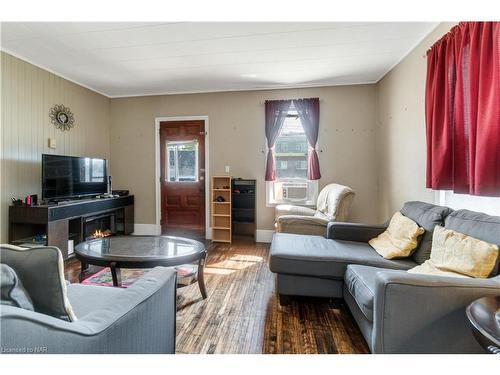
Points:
(456, 254)
(400, 238)
(427, 268)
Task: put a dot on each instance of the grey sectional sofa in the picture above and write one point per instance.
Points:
(397, 312)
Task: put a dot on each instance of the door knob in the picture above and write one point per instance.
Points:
(202, 178)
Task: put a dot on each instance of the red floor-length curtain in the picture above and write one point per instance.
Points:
(308, 110)
(276, 112)
(463, 110)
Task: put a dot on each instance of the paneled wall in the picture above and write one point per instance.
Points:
(28, 93)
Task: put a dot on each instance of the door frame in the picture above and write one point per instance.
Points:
(158, 120)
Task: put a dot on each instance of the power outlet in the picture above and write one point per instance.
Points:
(227, 168)
(52, 143)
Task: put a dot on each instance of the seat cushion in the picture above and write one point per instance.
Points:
(360, 282)
(288, 209)
(320, 257)
(310, 225)
(88, 298)
(427, 216)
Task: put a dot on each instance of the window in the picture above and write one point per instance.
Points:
(488, 205)
(291, 185)
(182, 161)
(301, 164)
(281, 147)
(94, 170)
(301, 147)
(291, 148)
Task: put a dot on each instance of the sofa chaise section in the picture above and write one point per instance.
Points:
(315, 266)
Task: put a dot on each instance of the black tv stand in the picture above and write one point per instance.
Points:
(62, 222)
(59, 201)
(67, 201)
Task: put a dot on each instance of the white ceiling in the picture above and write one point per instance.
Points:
(130, 58)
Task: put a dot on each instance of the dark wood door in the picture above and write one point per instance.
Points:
(182, 160)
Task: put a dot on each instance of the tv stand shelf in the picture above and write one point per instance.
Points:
(61, 222)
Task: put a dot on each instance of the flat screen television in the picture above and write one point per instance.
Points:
(65, 177)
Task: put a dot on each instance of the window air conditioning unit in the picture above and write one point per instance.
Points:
(294, 191)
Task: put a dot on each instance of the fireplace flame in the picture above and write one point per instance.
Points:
(99, 233)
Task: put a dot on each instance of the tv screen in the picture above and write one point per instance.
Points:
(72, 177)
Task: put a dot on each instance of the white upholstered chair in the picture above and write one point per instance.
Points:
(333, 204)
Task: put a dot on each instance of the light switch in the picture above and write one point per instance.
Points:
(52, 143)
(227, 168)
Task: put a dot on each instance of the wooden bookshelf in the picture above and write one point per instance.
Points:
(221, 211)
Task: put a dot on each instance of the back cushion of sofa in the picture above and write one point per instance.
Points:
(41, 270)
(478, 225)
(427, 216)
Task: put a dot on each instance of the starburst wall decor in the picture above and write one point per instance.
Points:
(62, 117)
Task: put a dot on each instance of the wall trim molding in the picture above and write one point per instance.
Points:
(264, 235)
(259, 88)
(159, 119)
(147, 230)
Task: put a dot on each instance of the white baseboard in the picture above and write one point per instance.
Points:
(147, 230)
(264, 235)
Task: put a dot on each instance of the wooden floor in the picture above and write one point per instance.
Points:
(242, 313)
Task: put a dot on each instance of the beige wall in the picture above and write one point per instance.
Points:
(236, 137)
(28, 93)
(401, 145)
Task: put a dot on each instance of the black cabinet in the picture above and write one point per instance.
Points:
(243, 211)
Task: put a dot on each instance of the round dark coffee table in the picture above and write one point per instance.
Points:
(118, 252)
(484, 318)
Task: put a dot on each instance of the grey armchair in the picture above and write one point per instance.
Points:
(139, 319)
(333, 204)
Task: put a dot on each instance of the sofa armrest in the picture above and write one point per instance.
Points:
(416, 313)
(353, 231)
(139, 320)
(299, 224)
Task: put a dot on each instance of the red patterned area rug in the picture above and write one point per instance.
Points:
(103, 277)
(186, 275)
